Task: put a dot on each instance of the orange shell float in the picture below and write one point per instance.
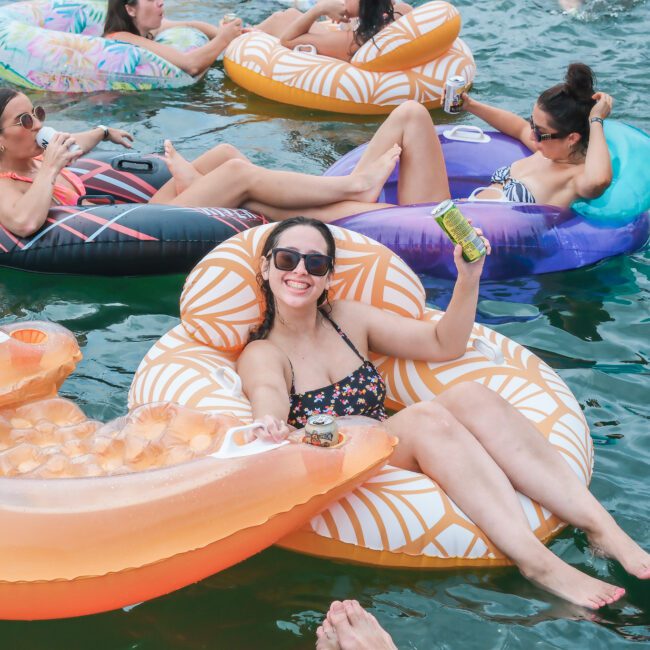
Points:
(99, 516)
(409, 59)
(397, 518)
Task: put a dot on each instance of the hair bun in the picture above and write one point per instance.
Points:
(579, 82)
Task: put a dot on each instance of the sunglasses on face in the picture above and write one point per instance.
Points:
(286, 259)
(541, 137)
(26, 120)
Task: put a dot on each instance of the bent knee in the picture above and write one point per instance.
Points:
(433, 417)
(228, 151)
(412, 110)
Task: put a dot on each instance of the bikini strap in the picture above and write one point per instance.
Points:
(16, 177)
(343, 335)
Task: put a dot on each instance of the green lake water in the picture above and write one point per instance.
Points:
(591, 325)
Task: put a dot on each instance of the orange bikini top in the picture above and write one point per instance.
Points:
(61, 194)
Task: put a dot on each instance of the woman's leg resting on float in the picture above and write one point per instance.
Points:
(537, 470)
(325, 213)
(277, 23)
(436, 443)
(184, 172)
(236, 182)
(422, 173)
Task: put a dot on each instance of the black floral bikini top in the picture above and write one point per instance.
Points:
(360, 393)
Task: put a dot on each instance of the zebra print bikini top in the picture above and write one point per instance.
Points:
(513, 190)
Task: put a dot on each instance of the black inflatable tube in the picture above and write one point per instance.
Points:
(131, 238)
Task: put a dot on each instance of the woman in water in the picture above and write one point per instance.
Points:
(139, 21)
(365, 18)
(33, 180)
(570, 158)
(307, 345)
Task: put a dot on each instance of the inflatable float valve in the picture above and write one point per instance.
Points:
(489, 350)
(230, 449)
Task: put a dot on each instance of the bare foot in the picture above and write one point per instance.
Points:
(615, 543)
(357, 629)
(567, 582)
(326, 637)
(367, 184)
(182, 171)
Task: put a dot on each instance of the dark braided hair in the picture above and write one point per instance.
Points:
(118, 19)
(374, 15)
(568, 104)
(263, 330)
(6, 95)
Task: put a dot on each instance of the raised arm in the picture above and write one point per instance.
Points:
(261, 367)
(195, 61)
(597, 174)
(337, 44)
(23, 213)
(505, 121)
(407, 338)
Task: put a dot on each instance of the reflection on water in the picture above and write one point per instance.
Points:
(592, 325)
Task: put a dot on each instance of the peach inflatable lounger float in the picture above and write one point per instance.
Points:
(396, 518)
(99, 516)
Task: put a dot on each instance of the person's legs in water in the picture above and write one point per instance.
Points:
(434, 441)
(348, 626)
(236, 182)
(422, 177)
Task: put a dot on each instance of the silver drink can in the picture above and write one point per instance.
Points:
(322, 431)
(454, 88)
(228, 18)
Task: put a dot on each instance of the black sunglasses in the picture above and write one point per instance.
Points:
(286, 259)
(26, 120)
(541, 137)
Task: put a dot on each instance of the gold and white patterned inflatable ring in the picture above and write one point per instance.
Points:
(409, 59)
(397, 518)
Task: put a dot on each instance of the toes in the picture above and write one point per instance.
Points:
(354, 611)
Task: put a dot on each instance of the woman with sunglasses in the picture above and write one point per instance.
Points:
(138, 21)
(33, 180)
(30, 186)
(314, 357)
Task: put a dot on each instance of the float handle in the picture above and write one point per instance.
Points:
(230, 380)
(95, 197)
(467, 133)
(489, 350)
(133, 164)
(230, 449)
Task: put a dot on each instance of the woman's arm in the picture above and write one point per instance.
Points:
(195, 61)
(211, 31)
(597, 174)
(408, 338)
(337, 44)
(505, 121)
(261, 368)
(88, 140)
(23, 213)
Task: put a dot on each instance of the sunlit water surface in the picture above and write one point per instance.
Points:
(592, 325)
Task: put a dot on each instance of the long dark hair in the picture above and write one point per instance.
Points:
(374, 15)
(118, 19)
(6, 95)
(263, 330)
(568, 104)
